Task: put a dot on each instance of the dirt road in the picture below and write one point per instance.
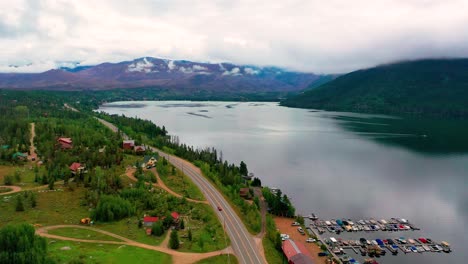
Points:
(177, 257)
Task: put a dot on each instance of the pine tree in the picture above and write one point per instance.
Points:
(19, 203)
(174, 240)
(190, 234)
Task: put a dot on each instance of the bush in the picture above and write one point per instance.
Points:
(8, 180)
(19, 207)
(157, 229)
(112, 208)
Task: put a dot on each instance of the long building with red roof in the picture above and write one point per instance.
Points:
(296, 252)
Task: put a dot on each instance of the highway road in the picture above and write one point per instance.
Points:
(242, 241)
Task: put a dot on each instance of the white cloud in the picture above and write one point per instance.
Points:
(251, 71)
(312, 35)
(234, 72)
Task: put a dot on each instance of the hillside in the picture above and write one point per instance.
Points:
(179, 76)
(436, 87)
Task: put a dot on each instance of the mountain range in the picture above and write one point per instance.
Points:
(180, 75)
(430, 87)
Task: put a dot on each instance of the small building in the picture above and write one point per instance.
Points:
(176, 217)
(65, 143)
(296, 252)
(140, 149)
(149, 161)
(244, 192)
(148, 221)
(20, 156)
(76, 168)
(128, 144)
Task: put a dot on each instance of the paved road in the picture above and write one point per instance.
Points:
(242, 241)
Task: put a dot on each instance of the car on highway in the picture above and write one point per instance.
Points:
(219, 208)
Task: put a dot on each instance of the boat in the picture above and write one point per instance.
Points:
(426, 247)
(420, 249)
(411, 241)
(363, 251)
(393, 249)
(313, 217)
(414, 249)
(445, 247)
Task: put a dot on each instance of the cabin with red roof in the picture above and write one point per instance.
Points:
(176, 217)
(148, 221)
(76, 167)
(65, 143)
(140, 149)
(128, 144)
(296, 252)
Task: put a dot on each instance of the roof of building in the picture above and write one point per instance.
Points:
(301, 259)
(175, 215)
(65, 140)
(131, 142)
(19, 154)
(75, 166)
(140, 148)
(150, 219)
(292, 248)
(244, 191)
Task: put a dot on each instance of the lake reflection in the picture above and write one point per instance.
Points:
(339, 164)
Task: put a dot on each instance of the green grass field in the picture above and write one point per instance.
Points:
(128, 228)
(221, 259)
(5, 189)
(273, 256)
(53, 208)
(103, 254)
(179, 182)
(81, 233)
(207, 232)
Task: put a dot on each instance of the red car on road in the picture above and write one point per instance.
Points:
(219, 208)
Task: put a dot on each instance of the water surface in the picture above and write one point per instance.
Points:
(339, 165)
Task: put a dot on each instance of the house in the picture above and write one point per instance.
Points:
(128, 144)
(296, 252)
(20, 156)
(140, 149)
(244, 192)
(148, 221)
(149, 161)
(65, 143)
(76, 168)
(176, 217)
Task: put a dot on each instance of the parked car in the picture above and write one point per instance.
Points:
(295, 224)
(310, 240)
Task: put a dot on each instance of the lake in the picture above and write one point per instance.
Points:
(338, 165)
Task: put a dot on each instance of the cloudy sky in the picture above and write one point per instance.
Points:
(332, 36)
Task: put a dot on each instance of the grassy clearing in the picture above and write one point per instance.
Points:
(103, 254)
(177, 181)
(220, 259)
(272, 255)
(128, 228)
(53, 208)
(26, 173)
(207, 232)
(6, 170)
(5, 189)
(81, 233)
